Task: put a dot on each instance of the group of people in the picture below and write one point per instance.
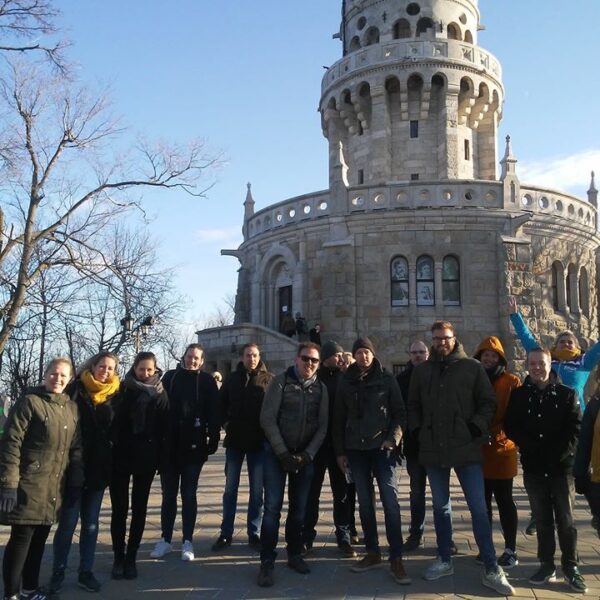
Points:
(70, 439)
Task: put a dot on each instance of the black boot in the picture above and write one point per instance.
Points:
(130, 570)
(118, 570)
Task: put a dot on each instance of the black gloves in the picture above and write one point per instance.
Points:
(582, 484)
(289, 462)
(213, 444)
(8, 499)
(474, 430)
(303, 459)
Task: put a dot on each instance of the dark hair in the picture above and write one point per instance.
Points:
(308, 346)
(443, 325)
(249, 345)
(193, 347)
(539, 349)
(140, 356)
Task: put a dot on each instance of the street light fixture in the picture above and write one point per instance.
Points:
(138, 333)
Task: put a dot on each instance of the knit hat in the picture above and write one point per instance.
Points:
(364, 342)
(329, 348)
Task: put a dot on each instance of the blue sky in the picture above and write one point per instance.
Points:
(246, 77)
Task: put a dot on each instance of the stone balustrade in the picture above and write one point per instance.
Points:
(416, 195)
(411, 50)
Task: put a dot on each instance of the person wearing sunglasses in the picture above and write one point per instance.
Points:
(294, 419)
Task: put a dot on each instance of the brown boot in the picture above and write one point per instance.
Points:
(398, 572)
(371, 561)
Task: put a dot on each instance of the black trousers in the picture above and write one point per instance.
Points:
(119, 497)
(23, 557)
(551, 500)
(501, 489)
(343, 501)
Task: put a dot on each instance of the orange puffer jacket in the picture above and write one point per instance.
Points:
(500, 455)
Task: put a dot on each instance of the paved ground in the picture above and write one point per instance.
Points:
(232, 574)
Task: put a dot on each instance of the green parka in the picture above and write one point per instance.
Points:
(448, 400)
(40, 454)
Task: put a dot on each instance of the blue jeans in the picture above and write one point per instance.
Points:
(170, 480)
(87, 504)
(471, 481)
(298, 490)
(383, 465)
(418, 482)
(234, 460)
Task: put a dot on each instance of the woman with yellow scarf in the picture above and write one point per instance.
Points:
(569, 362)
(586, 469)
(96, 392)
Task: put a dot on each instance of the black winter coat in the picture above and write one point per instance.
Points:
(40, 455)
(331, 379)
(446, 395)
(545, 425)
(141, 428)
(97, 435)
(410, 444)
(193, 415)
(241, 399)
(368, 410)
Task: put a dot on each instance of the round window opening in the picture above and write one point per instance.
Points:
(279, 217)
(306, 209)
(544, 202)
(322, 206)
(463, 19)
(361, 23)
(413, 9)
(358, 201)
(292, 213)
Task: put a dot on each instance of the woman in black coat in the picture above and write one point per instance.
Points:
(141, 429)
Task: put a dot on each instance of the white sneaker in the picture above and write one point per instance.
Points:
(187, 550)
(496, 580)
(161, 549)
(438, 569)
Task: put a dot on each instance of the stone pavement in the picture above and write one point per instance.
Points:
(232, 574)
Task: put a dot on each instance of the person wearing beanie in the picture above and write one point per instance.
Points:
(343, 508)
(368, 419)
(500, 453)
(451, 404)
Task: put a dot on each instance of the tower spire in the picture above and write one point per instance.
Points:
(248, 209)
(508, 161)
(593, 192)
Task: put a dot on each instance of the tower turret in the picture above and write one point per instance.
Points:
(412, 84)
(248, 209)
(592, 193)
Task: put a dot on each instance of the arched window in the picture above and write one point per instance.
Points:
(399, 281)
(425, 281)
(372, 36)
(468, 37)
(401, 29)
(454, 32)
(572, 289)
(584, 292)
(451, 281)
(558, 286)
(423, 25)
(354, 43)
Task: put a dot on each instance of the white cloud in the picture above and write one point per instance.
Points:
(564, 173)
(218, 235)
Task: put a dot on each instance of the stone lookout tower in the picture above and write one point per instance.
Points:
(416, 224)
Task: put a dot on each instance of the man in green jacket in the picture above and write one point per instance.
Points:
(451, 404)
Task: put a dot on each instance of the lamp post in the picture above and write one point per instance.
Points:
(137, 333)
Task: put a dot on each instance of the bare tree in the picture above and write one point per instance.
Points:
(24, 22)
(64, 184)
